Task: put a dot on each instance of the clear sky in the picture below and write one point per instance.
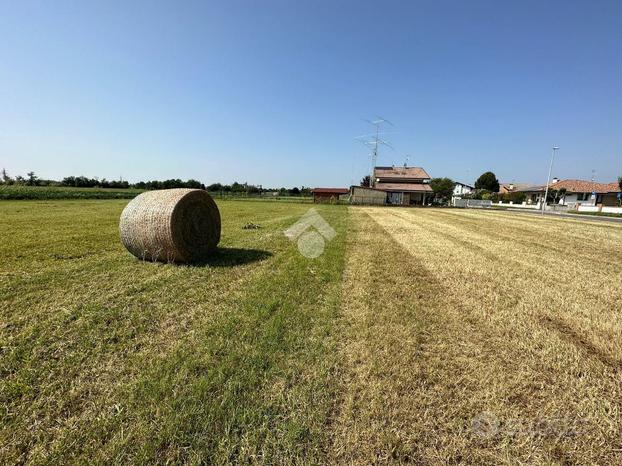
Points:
(275, 92)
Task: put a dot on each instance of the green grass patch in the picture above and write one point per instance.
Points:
(108, 359)
(597, 214)
(18, 192)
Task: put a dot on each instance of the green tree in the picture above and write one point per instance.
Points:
(556, 194)
(488, 181)
(443, 188)
(237, 187)
(6, 179)
(365, 181)
(215, 187)
(32, 179)
(194, 184)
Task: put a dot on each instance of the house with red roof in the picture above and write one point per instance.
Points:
(574, 193)
(390, 185)
(403, 185)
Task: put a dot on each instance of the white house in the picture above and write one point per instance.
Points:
(460, 189)
(575, 193)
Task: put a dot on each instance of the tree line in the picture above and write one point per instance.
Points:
(236, 187)
(31, 179)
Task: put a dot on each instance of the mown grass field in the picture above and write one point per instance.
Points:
(108, 359)
(596, 214)
(420, 335)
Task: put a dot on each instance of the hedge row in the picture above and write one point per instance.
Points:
(8, 192)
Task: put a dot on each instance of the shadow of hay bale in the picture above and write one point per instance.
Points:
(231, 257)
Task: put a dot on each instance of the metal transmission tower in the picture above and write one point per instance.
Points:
(374, 141)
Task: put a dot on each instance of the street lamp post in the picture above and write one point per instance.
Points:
(593, 196)
(548, 180)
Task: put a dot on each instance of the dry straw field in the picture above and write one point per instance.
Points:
(419, 336)
(480, 337)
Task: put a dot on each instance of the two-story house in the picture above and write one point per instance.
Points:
(403, 185)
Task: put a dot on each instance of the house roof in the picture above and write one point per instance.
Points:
(400, 172)
(612, 187)
(577, 186)
(330, 190)
(464, 184)
(515, 186)
(404, 187)
(364, 187)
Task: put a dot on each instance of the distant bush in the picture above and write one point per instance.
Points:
(97, 188)
(215, 187)
(84, 182)
(16, 192)
(516, 198)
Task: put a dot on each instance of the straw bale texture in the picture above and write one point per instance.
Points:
(171, 225)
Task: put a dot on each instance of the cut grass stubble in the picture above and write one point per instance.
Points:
(109, 359)
(468, 323)
(263, 356)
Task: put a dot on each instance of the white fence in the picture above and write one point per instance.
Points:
(588, 208)
(524, 205)
(607, 210)
(473, 203)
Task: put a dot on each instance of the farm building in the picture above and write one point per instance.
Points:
(367, 196)
(403, 185)
(576, 193)
(328, 194)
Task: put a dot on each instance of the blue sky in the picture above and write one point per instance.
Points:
(275, 92)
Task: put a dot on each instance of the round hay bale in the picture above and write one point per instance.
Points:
(171, 225)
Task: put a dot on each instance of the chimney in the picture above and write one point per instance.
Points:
(511, 186)
(555, 180)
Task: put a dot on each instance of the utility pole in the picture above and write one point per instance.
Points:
(548, 180)
(593, 195)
